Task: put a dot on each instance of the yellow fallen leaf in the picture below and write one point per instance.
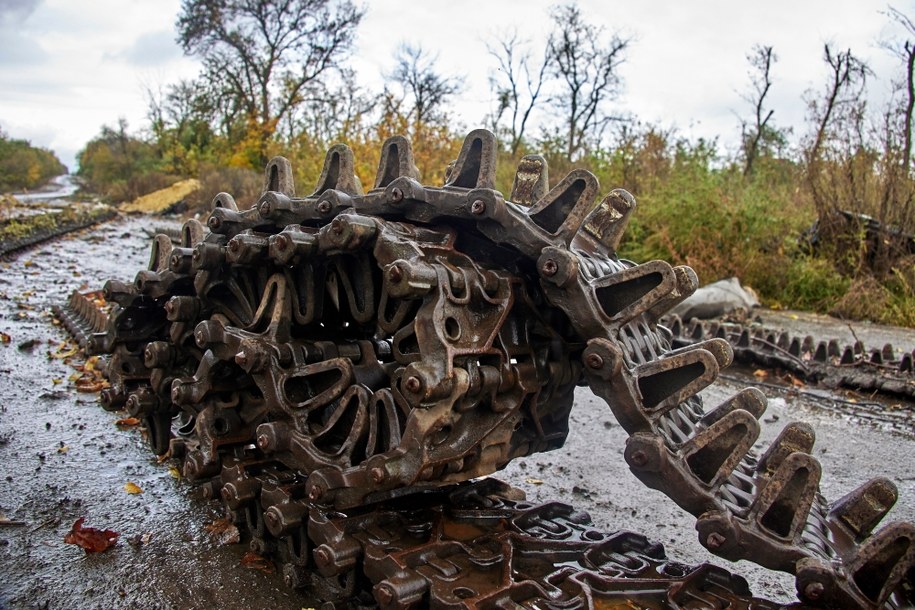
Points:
(132, 488)
(28, 264)
(63, 449)
(760, 373)
(175, 472)
(64, 350)
(57, 381)
(534, 481)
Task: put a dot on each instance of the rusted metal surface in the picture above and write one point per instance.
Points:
(825, 362)
(337, 367)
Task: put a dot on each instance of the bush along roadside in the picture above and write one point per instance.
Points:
(23, 232)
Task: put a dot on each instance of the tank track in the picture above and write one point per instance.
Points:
(825, 362)
(338, 353)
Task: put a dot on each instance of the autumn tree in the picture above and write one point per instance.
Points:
(518, 85)
(586, 60)
(425, 88)
(265, 53)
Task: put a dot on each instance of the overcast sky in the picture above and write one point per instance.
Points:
(68, 67)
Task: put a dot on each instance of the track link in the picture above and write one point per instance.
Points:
(335, 353)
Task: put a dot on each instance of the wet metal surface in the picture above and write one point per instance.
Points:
(64, 458)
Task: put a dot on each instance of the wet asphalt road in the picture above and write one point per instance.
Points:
(62, 457)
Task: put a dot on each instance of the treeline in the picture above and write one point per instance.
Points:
(819, 220)
(23, 166)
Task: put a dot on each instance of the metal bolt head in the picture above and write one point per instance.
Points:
(337, 225)
(639, 458)
(384, 594)
(241, 359)
(281, 242)
(478, 207)
(322, 556)
(715, 541)
(324, 207)
(549, 268)
(378, 474)
(315, 493)
(814, 591)
(594, 361)
(213, 222)
(234, 245)
(395, 275)
(397, 195)
(263, 442)
(413, 384)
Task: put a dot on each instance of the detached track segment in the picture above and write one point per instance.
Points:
(334, 366)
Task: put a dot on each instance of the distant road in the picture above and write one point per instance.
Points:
(60, 187)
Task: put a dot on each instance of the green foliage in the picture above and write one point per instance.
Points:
(122, 167)
(23, 166)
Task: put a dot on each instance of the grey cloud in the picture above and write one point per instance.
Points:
(151, 49)
(17, 11)
(18, 49)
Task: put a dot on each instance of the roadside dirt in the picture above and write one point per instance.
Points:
(63, 458)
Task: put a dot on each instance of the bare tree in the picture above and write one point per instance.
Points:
(331, 110)
(844, 89)
(429, 91)
(518, 84)
(587, 61)
(761, 59)
(905, 50)
(267, 52)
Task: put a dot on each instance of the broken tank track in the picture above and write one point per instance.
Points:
(336, 366)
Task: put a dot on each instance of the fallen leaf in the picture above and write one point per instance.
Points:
(132, 488)
(224, 531)
(28, 263)
(126, 422)
(64, 350)
(5, 338)
(534, 481)
(174, 472)
(57, 381)
(90, 539)
(254, 561)
(89, 383)
(63, 449)
(760, 373)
